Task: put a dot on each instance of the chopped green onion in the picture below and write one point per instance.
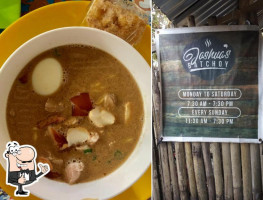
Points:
(56, 52)
(87, 151)
(94, 157)
(118, 155)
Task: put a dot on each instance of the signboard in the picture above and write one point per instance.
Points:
(210, 83)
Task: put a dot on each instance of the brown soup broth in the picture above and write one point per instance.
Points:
(86, 69)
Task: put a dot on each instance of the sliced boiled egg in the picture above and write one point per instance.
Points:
(47, 76)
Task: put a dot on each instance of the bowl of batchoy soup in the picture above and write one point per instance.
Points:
(81, 97)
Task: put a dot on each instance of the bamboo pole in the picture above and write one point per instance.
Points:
(236, 171)
(157, 167)
(261, 162)
(228, 182)
(165, 172)
(162, 148)
(246, 171)
(156, 104)
(215, 147)
(209, 171)
(217, 163)
(156, 194)
(199, 171)
(190, 170)
(156, 178)
(181, 169)
(255, 171)
(173, 172)
(254, 148)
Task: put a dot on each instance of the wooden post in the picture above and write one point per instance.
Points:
(190, 170)
(173, 172)
(246, 171)
(212, 20)
(236, 171)
(181, 169)
(243, 5)
(209, 171)
(228, 183)
(199, 171)
(191, 21)
(253, 18)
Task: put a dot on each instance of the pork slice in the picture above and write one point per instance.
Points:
(73, 171)
(55, 119)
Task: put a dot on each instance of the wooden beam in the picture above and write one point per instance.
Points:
(255, 7)
(191, 21)
(233, 16)
(253, 18)
(242, 18)
(212, 20)
(243, 4)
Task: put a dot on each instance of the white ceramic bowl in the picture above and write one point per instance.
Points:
(140, 158)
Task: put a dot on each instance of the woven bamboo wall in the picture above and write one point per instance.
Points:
(204, 170)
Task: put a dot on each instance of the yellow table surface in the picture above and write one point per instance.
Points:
(55, 16)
